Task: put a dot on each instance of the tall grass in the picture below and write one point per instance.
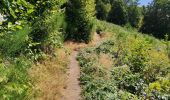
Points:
(14, 80)
(13, 43)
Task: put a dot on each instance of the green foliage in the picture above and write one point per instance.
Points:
(21, 12)
(56, 28)
(17, 10)
(49, 30)
(14, 81)
(80, 16)
(31, 28)
(102, 9)
(94, 85)
(118, 13)
(138, 58)
(157, 18)
(105, 47)
(140, 68)
(13, 43)
(135, 16)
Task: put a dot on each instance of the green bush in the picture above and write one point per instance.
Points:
(92, 81)
(80, 17)
(31, 29)
(118, 13)
(140, 68)
(103, 8)
(14, 80)
(138, 58)
(13, 43)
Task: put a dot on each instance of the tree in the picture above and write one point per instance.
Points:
(134, 13)
(118, 13)
(157, 18)
(103, 8)
(80, 15)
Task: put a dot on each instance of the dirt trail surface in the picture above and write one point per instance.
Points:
(73, 90)
(51, 80)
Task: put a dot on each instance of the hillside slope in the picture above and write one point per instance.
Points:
(127, 66)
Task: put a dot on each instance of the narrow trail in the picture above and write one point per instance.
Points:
(73, 90)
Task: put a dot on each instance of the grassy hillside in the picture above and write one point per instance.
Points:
(127, 66)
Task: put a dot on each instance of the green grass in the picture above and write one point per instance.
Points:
(14, 80)
(140, 64)
(14, 43)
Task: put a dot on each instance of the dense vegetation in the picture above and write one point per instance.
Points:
(119, 12)
(28, 31)
(138, 65)
(157, 18)
(80, 15)
(129, 66)
(152, 19)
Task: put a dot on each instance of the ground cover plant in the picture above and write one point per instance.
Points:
(139, 68)
(38, 36)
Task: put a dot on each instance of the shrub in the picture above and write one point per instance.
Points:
(13, 43)
(140, 68)
(14, 80)
(118, 13)
(49, 28)
(157, 66)
(102, 9)
(138, 58)
(80, 16)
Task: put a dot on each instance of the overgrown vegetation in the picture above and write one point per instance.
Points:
(80, 17)
(14, 80)
(29, 31)
(120, 12)
(129, 65)
(139, 67)
(157, 18)
(151, 19)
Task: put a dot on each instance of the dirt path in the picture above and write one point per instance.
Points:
(73, 90)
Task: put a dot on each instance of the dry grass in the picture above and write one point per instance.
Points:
(70, 45)
(78, 45)
(50, 76)
(106, 61)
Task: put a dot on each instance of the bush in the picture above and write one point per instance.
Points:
(118, 13)
(14, 80)
(138, 58)
(80, 16)
(102, 9)
(140, 67)
(92, 81)
(30, 27)
(13, 43)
